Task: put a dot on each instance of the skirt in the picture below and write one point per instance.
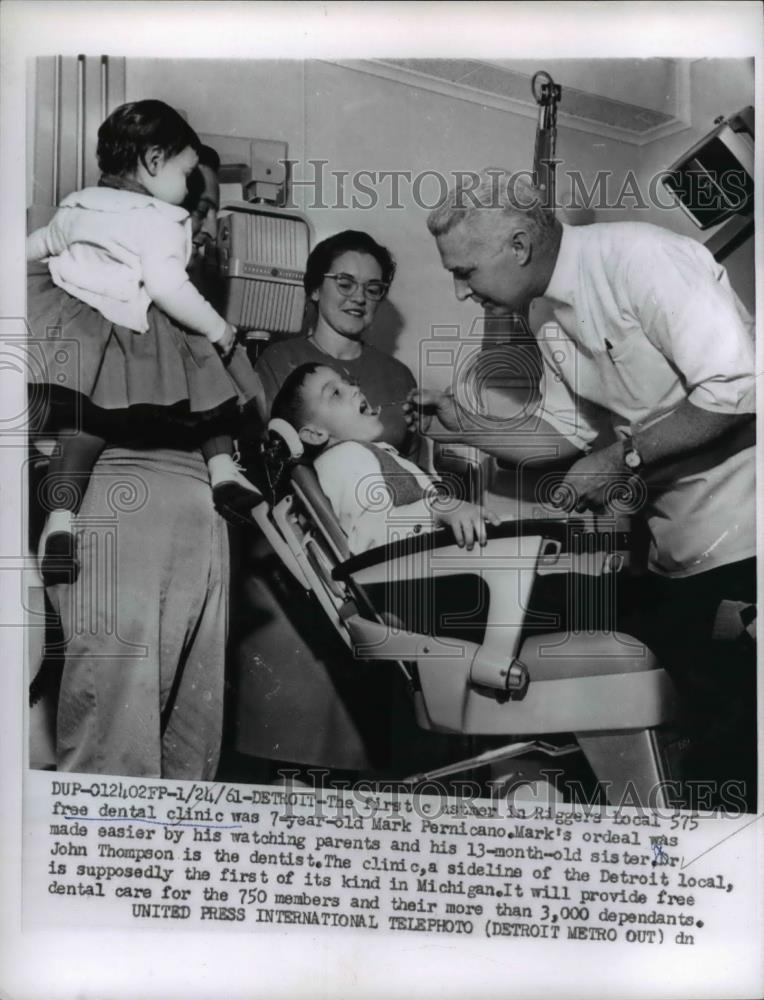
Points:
(84, 363)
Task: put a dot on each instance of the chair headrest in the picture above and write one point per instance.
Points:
(287, 433)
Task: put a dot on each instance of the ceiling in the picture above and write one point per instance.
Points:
(635, 100)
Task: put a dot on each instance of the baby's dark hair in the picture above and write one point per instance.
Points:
(132, 129)
(289, 403)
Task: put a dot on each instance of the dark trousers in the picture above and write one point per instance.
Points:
(715, 676)
(714, 755)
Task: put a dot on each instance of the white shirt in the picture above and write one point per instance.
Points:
(119, 251)
(352, 479)
(644, 320)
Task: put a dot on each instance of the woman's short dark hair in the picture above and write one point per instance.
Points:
(324, 254)
(134, 128)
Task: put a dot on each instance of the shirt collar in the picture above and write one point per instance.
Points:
(384, 446)
(562, 284)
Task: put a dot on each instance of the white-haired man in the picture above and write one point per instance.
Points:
(648, 332)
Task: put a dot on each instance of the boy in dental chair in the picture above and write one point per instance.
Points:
(376, 494)
(378, 497)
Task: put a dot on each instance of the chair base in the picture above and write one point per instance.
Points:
(629, 765)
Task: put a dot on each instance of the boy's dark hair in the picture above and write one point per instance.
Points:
(134, 128)
(289, 403)
(324, 254)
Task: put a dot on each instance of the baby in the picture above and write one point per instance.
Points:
(376, 494)
(149, 354)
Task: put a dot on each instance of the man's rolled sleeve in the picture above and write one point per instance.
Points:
(689, 311)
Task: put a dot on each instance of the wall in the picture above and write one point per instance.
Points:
(356, 121)
(717, 87)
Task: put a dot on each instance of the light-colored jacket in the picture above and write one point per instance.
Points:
(119, 251)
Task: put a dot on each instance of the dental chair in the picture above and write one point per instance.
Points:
(477, 660)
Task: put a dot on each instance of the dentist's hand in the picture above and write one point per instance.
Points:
(599, 482)
(424, 404)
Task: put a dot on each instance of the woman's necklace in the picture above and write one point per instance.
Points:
(323, 350)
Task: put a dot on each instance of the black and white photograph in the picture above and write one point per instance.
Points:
(382, 547)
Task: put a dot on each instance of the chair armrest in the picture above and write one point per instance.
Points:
(572, 534)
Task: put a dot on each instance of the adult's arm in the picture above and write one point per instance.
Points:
(536, 439)
(686, 308)
(688, 430)
(163, 257)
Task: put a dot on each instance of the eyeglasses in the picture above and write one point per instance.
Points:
(347, 285)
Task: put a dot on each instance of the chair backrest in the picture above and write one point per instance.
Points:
(305, 485)
(318, 545)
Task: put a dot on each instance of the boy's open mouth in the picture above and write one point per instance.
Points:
(367, 411)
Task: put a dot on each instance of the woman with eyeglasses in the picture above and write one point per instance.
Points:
(301, 700)
(346, 278)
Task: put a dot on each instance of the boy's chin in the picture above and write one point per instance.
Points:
(371, 432)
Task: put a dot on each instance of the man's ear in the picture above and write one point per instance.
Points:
(153, 159)
(312, 435)
(521, 246)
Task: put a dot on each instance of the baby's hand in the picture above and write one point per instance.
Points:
(431, 402)
(466, 520)
(228, 341)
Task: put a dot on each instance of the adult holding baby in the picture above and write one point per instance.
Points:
(144, 414)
